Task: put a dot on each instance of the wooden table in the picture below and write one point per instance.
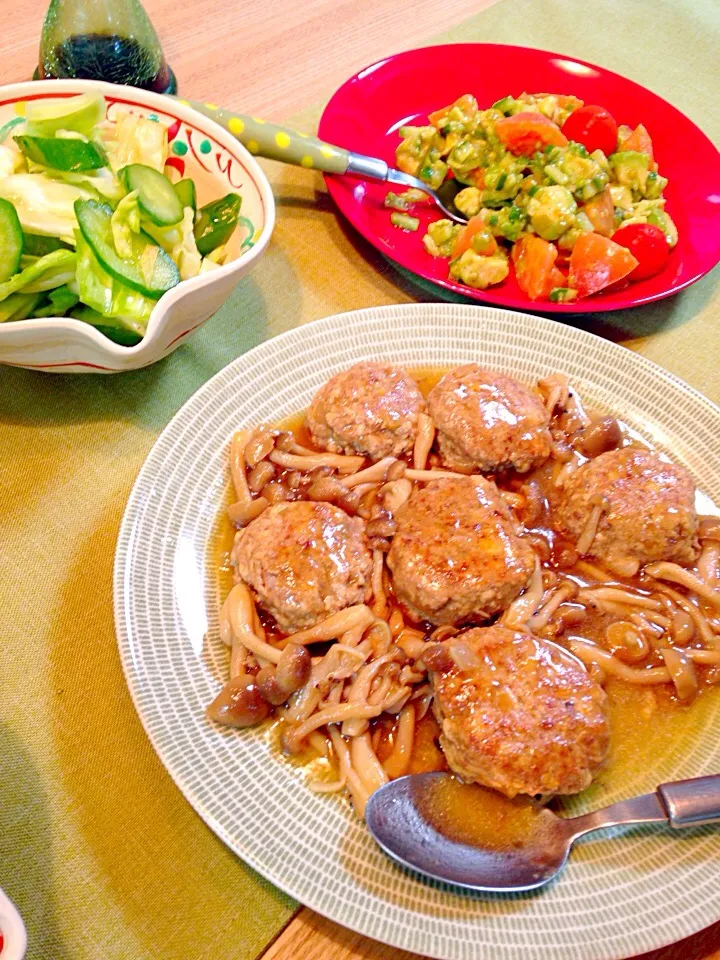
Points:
(298, 37)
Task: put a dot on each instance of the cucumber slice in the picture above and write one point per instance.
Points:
(157, 198)
(81, 113)
(185, 189)
(64, 154)
(11, 240)
(113, 328)
(36, 246)
(216, 223)
(161, 274)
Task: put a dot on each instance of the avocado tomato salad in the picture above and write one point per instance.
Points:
(556, 187)
(91, 226)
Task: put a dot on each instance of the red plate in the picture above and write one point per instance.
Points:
(365, 113)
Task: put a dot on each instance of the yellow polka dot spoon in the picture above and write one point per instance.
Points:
(289, 146)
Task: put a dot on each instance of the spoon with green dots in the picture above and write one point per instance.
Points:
(290, 146)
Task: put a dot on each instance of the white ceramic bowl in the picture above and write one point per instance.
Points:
(218, 164)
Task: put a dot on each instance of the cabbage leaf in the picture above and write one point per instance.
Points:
(44, 206)
(137, 140)
(125, 223)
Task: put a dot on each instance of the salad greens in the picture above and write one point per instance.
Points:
(90, 224)
(149, 270)
(117, 302)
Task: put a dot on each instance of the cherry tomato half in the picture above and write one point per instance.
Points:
(647, 244)
(594, 128)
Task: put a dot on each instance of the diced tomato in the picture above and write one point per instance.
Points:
(535, 268)
(464, 240)
(639, 141)
(558, 278)
(564, 100)
(526, 132)
(600, 211)
(647, 244)
(438, 115)
(596, 262)
(477, 177)
(466, 103)
(593, 127)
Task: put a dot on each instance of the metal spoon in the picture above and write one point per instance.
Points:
(398, 818)
(290, 146)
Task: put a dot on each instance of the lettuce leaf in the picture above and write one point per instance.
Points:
(109, 296)
(44, 206)
(52, 270)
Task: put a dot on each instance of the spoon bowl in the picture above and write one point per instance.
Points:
(407, 819)
(474, 838)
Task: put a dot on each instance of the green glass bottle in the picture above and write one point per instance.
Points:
(110, 40)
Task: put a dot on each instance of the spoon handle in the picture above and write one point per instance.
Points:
(682, 803)
(282, 143)
(644, 809)
(690, 803)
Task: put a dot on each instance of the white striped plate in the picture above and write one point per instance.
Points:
(618, 897)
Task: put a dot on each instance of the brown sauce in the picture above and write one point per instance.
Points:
(426, 756)
(471, 814)
(648, 724)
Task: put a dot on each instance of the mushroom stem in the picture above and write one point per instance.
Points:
(335, 625)
(245, 508)
(377, 473)
(307, 462)
(423, 441)
(240, 611)
(677, 574)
